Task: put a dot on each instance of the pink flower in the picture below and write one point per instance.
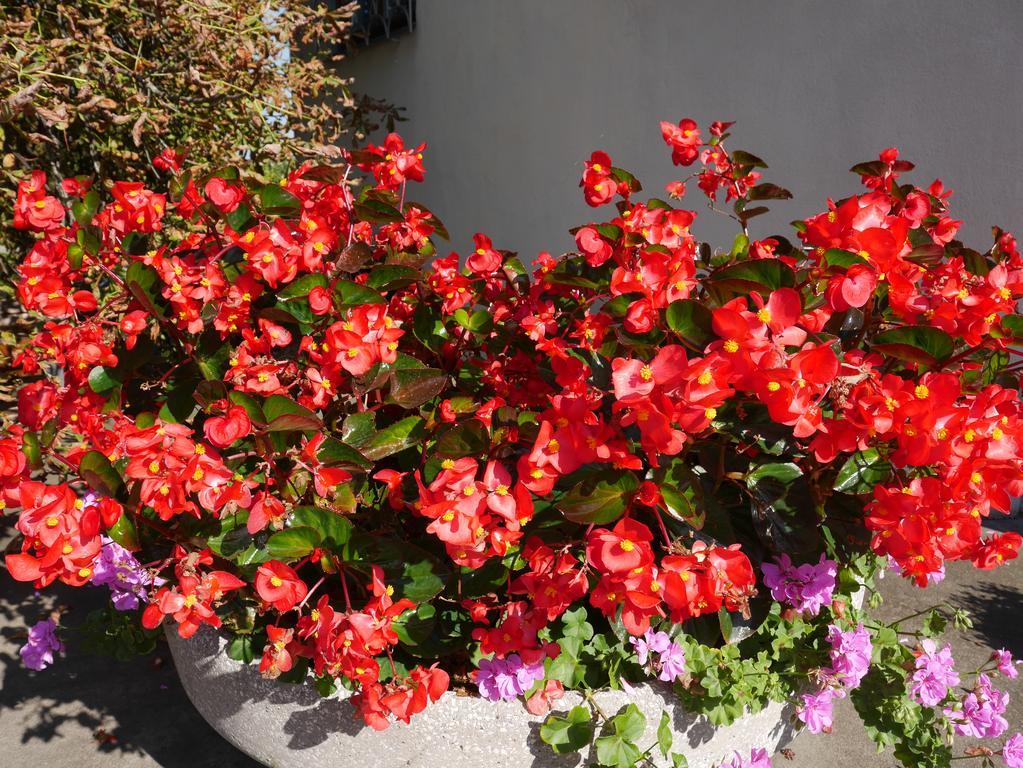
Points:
(758, 758)
(670, 663)
(850, 654)
(502, 679)
(1012, 751)
(807, 587)
(935, 674)
(980, 714)
(1005, 662)
(816, 711)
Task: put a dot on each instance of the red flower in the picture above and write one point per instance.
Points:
(624, 548)
(226, 429)
(279, 585)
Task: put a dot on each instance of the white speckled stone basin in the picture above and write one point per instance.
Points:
(291, 726)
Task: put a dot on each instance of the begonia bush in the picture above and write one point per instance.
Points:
(280, 413)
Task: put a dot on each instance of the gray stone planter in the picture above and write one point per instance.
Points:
(290, 726)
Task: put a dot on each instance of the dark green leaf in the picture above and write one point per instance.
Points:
(274, 200)
(391, 277)
(921, 344)
(397, 437)
(302, 286)
(348, 294)
(756, 275)
(411, 387)
(691, 320)
(285, 415)
(333, 530)
(293, 542)
(468, 438)
(600, 499)
(862, 472)
(99, 473)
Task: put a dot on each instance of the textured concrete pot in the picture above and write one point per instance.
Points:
(290, 726)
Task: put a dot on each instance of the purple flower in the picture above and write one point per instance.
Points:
(673, 663)
(1005, 662)
(807, 588)
(651, 642)
(980, 714)
(501, 679)
(1012, 751)
(935, 674)
(118, 569)
(850, 654)
(42, 643)
(758, 758)
(670, 663)
(816, 711)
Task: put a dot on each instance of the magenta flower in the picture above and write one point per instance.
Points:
(850, 654)
(670, 663)
(807, 587)
(935, 674)
(42, 643)
(1012, 751)
(502, 679)
(758, 758)
(980, 714)
(1006, 664)
(816, 711)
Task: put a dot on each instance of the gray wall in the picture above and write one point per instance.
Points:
(511, 96)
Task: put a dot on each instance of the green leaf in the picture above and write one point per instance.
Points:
(412, 571)
(252, 408)
(469, 438)
(411, 387)
(569, 733)
(357, 428)
(615, 752)
(302, 286)
(293, 542)
(691, 320)
(124, 533)
(414, 627)
(103, 379)
(285, 415)
(348, 294)
(664, 734)
(756, 275)
(334, 530)
(679, 504)
(334, 453)
(377, 212)
(767, 191)
(83, 210)
(277, 201)
(921, 344)
(782, 472)
(478, 322)
(1014, 325)
(741, 157)
(394, 438)
(392, 277)
(862, 471)
(599, 499)
(241, 648)
(99, 473)
(836, 257)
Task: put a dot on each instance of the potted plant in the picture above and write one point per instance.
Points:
(635, 488)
